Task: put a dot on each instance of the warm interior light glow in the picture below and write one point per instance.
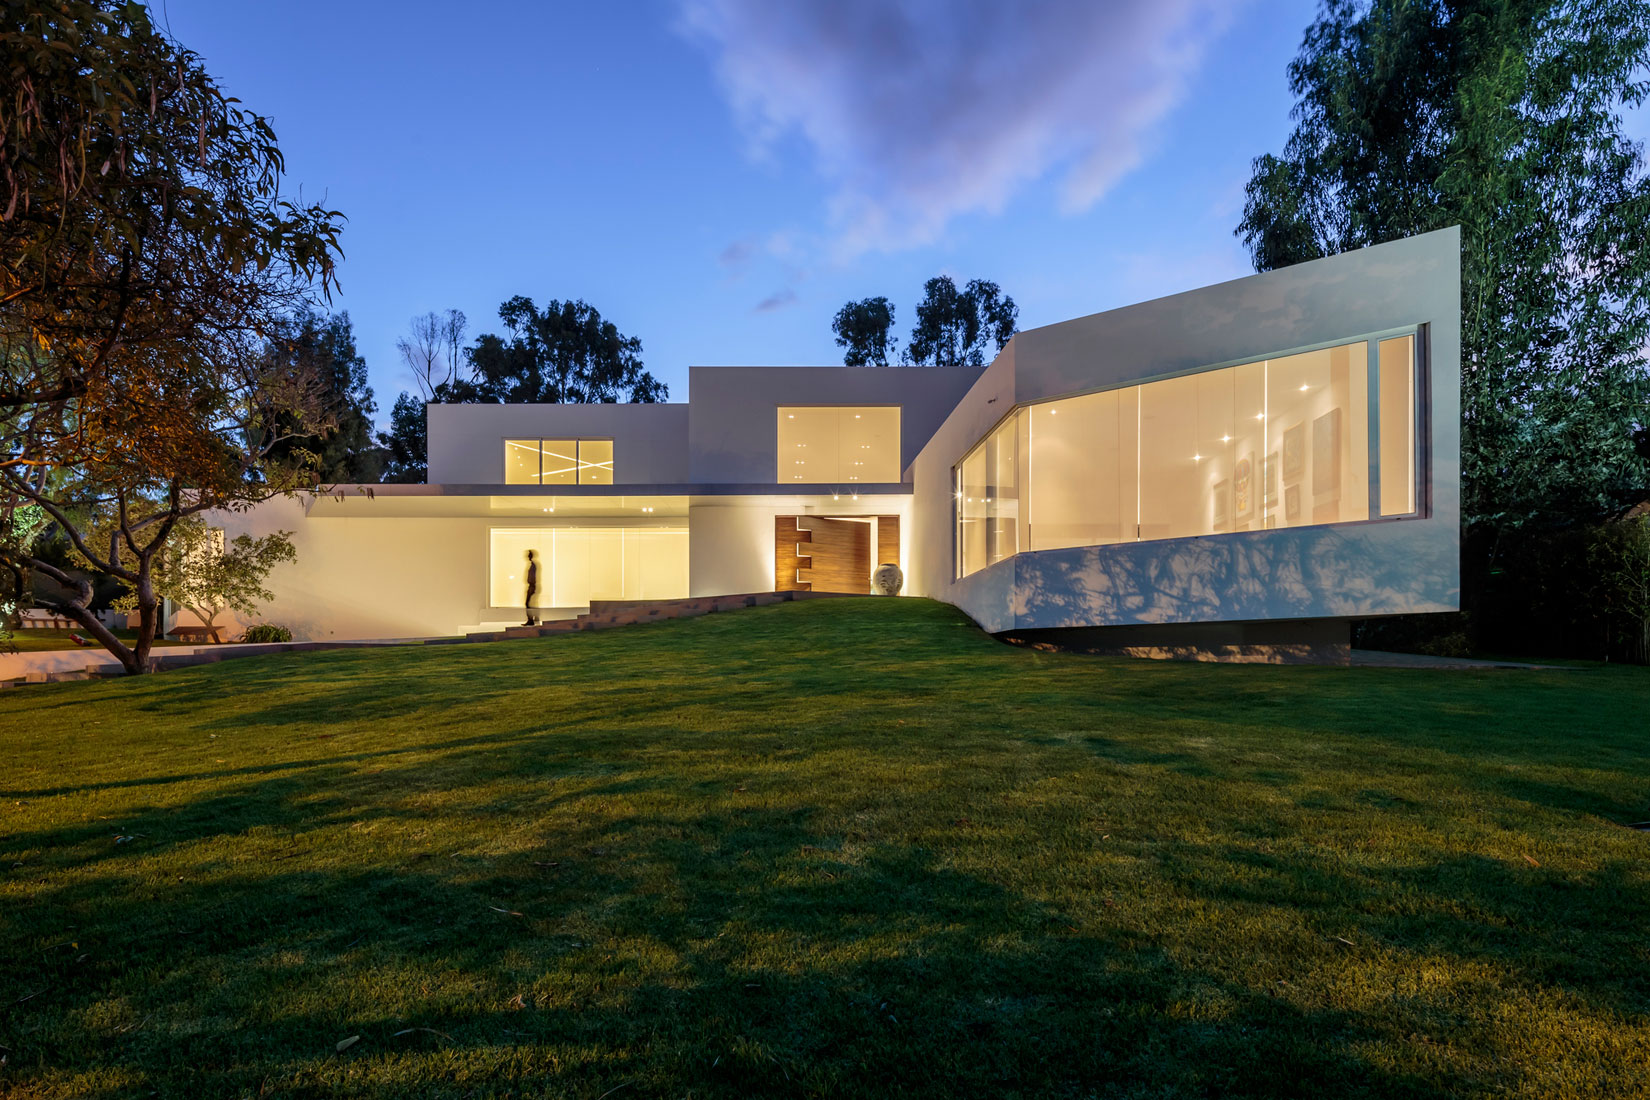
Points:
(1114, 468)
(834, 433)
(577, 565)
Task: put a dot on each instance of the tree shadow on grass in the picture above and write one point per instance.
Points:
(739, 950)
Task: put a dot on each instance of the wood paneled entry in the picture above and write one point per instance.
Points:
(831, 553)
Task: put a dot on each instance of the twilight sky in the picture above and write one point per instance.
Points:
(719, 176)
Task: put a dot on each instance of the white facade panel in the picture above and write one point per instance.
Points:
(650, 442)
(1338, 570)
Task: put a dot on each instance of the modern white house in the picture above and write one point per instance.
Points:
(1249, 465)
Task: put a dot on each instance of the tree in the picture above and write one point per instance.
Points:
(431, 350)
(865, 329)
(324, 347)
(1502, 116)
(199, 573)
(406, 444)
(20, 524)
(956, 326)
(146, 251)
(564, 354)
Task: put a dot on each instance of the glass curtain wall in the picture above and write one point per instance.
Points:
(580, 564)
(1278, 443)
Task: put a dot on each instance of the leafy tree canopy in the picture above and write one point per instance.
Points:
(563, 354)
(956, 327)
(406, 445)
(1502, 116)
(146, 252)
(865, 329)
(323, 347)
(200, 573)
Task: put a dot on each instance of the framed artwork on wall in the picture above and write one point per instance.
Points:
(1243, 487)
(1292, 503)
(1326, 452)
(1270, 480)
(1294, 452)
(1223, 504)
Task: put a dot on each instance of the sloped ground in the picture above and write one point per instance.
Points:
(849, 848)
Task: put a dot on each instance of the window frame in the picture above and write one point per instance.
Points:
(578, 460)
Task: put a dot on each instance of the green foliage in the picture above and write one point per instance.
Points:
(406, 445)
(843, 848)
(199, 572)
(865, 329)
(958, 327)
(147, 250)
(323, 348)
(1502, 116)
(266, 632)
(563, 354)
(1618, 561)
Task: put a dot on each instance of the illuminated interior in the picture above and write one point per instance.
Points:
(558, 462)
(580, 564)
(1278, 443)
(838, 444)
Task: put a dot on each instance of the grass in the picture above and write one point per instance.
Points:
(36, 640)
(847, 848)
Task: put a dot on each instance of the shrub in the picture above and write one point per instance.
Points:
(267, 632)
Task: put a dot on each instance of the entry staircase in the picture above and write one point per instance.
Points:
(604, 614)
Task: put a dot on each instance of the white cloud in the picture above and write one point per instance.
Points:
(918, 111)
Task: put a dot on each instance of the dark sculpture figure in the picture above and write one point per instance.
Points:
(532, 588)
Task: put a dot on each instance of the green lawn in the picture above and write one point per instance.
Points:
(847, 848)
(38, 640)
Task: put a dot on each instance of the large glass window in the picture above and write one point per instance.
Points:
(558, 462)
(1282, 442)
(837, 444)
(988, 505)
(580, 564)
(1397, 418)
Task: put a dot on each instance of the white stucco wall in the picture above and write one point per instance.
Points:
(371, 577)
(733, 431)
(730, 549)
(650, 442)
(1341, 570)
(381, 575)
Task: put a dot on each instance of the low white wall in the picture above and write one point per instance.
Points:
(369, 577)
(359, 577)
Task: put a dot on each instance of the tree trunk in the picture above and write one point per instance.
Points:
(148, 607)
(134, 659)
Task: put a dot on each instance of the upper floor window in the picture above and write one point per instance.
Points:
(834, 444)
(1319, 437)
(558, 462)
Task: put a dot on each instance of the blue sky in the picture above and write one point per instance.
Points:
(719, 176)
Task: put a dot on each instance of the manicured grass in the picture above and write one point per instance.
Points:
(37, 640)
(848, 848)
